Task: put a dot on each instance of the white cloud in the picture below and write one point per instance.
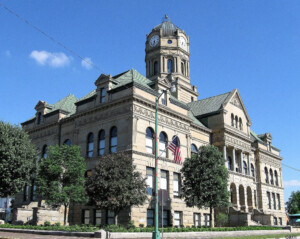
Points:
(87, 63)
(54, 59)
(8, 53)
(292, 183)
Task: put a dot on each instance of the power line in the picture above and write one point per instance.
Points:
(51, 38)
(298, 170)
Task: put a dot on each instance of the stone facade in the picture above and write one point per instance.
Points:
(119, 115)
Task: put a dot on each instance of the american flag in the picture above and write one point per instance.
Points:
(174, 147)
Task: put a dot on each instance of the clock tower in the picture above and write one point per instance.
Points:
(168, 59)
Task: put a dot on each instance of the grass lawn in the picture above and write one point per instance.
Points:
(289, 235)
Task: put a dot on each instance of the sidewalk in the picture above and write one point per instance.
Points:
(13, 235)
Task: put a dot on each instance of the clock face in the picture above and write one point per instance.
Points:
(182, 43)
(154, 40)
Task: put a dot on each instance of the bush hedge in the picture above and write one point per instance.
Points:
(117, 228)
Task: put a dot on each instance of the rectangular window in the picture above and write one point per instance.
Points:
(278, 201)
(163, 99)
(150, 217)
(97, 217)
(166, 218)
(164, 180)
(274, 201)
(150, 180)
(163, 149)
(275, 221)
(197, 219)
(176, 184)
(102, 95)
(280, 221)
(33, 192)
(26, 193)
(149, 145)
(206, 220)
(269, 200)
(177, 218)
(255, 198)
(110, 217)
(86, 216)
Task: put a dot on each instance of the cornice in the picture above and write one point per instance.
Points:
(270, 185)
(263, 152)
(241, 175)
(241, 135)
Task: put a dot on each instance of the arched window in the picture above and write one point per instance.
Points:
(113, 141)
(39, 118)
(170, 66)
(245, 168)
(232, 120)
(276, 178)
(44, 152)
(271, 176)
(149, 140)
(240, 124)
(163, 144)
(252, 170)
(266, 175)
(229, 160)
(155, 67)
(67, 142)
(182, 68)
(236, 121)
(90, 145)
(194, 149)
(177, 142)
(101, 142)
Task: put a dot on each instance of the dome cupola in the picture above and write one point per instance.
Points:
(167, 27)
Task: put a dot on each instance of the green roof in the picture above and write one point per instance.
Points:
(208, 105)
(195, 120)
(92, 93)
(66, 104)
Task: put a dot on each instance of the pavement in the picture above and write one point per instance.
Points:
(13, 235)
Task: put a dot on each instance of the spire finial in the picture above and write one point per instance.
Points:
(166, 18)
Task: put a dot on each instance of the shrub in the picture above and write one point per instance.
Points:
(141, 225)
(221, 220)
(131, 225)
(47, 223)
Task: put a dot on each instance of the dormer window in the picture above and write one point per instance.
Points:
(102, 95)
(39, 118)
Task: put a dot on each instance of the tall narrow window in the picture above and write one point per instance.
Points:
(33, 191)
(229, 160)
(149, 180)
(44, 152)
(39, 118)
(26, 193)
(278, 202)
(155, 64)
(240, 124)
(149, 140)
(177, 218)
(170, 66)
(255, 198)
(164, 180)
(269, 200)
(102, 95)
(101, 142)
(271, 176)
(113, 140)
(207, 220)
(276, 178)
(176, 184)
(182, 68)
(252, 170)
(97, 217)
(236, 121)
(90, 145)
(245, 167)
(110, 217)
(163, 98)
(193, 149)
(163, 144)
(67, 142)
(232, 120)
(274, 201)
(150, 217)
(197, 219)
(266, 175)
(86, 216)
(166, 218)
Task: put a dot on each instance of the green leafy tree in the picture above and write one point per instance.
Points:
(205, 180)
(293, 204)
(115, 185)
(17, 159)
(60, 178)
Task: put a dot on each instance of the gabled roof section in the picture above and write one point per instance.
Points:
(208, 105)
(255, 137)
(66, 104)
(92, 93)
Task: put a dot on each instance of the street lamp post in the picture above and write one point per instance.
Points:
(156, 233)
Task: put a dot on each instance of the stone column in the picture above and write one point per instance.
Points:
(233, 159)
(248, 162)
(241, 162)
(225, 156)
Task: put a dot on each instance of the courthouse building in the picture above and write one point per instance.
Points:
(119, 115)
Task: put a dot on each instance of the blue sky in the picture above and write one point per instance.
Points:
(250, 45)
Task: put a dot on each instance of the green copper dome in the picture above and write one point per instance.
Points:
(168, 28)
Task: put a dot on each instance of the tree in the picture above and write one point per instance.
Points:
(60, 178)
(293, 204)
(17, 159)
(205, 179)
(115, 185)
